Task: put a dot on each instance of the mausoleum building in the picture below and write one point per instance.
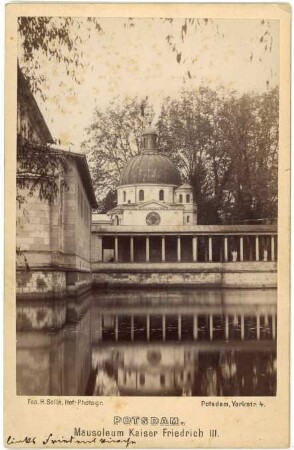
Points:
(153, 229)
(150, 191)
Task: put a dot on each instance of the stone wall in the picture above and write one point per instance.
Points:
(173, 216)
(40, 283)
(96, 248)
(151, 192)
(208, 275)
(77, 220)
(55, 239)
(33, 218)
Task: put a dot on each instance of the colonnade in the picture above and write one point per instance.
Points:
(265, 253)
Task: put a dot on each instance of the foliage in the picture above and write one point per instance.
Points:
(225, 145)
(61, 40)
(56, 39)
(108, 202)
(38, 170)
(114, 137)
(227, 148)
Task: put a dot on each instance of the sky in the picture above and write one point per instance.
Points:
(133, 58)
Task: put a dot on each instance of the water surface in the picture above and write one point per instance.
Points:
(149, 342)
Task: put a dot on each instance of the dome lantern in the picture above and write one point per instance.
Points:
(149, 140)
(150, 166)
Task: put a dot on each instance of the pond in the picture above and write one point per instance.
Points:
(184, 342)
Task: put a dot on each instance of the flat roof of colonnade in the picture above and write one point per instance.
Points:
(184, 229)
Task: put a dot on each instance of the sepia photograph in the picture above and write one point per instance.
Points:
(147, 225)
(146, 206)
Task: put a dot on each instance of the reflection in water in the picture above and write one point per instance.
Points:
(199, 343)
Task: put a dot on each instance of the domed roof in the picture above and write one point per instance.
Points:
(148, 168)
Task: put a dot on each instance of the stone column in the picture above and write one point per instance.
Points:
(210, 327)
(179, 249)
(227, 327)
(273, 248)
(131, 249)
(163, 249)
(179, 327)
(242, 328)
(132, 328)
(226, 248)
(99, 249)
(147, 249)
(116, 248)
(148, 327)
(163, 328)
(258, 327)
(241, 249)
(116, 328)
(210, 249)
(195, 245)
(195, 327)
(274, 326)
(257, 248)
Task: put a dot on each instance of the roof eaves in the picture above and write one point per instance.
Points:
(23, 88)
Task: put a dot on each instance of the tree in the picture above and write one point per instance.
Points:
(61, 40)
(251, 138)
(114, 137)
(220, 141)
(191, 133)
(226, 147)
(55, 39)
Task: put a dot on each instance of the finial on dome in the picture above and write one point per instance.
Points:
(149, 139)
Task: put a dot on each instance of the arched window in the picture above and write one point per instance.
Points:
(116, 220)
(162, 379)
(161, 194)
(142, 379)
(141, 195)
(188, 198)
(181, 198)
(125, 196)
(188, 219)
